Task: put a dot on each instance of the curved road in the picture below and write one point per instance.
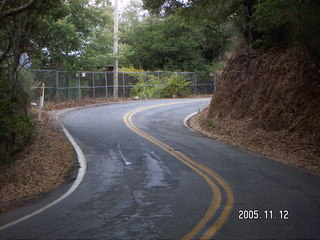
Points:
(149, 177)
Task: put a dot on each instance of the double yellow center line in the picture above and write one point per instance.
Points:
(216, 183)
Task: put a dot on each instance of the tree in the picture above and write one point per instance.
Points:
(288, 24)
(77, 35)
(7, 10)
(172, 43)
(218, 11)
(55, 35)
(132, 16)
(263, 23)
(17, 20)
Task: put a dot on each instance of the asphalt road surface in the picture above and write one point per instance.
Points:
(149, 177)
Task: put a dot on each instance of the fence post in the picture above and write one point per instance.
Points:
(41, 101)
(106, 82)
(93, 87)
(57, 85)
(123, 88)
(79, 87)
(196, 84)
(159, 91)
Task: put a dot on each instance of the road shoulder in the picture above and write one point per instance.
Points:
(275, 145)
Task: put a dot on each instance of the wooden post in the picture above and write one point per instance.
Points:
(41, 101)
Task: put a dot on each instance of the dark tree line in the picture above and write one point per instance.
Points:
(263, 23)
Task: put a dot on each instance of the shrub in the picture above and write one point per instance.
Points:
(176, 85)
(16, 127)
(166, 84)
(148, 88)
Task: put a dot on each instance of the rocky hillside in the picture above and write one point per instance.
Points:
(269, 103)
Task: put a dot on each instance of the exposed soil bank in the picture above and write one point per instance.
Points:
(268, 103)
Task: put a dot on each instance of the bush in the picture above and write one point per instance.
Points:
(23, 128)
(166, 84)
(176, 85)
(16, 127)
(148, 88)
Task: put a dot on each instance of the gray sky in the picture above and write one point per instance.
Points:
(123, 3)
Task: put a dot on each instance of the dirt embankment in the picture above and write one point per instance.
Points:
(268, 103)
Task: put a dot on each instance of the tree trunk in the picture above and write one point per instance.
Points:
(247, 8)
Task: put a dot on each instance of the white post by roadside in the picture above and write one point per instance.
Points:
(41, 101)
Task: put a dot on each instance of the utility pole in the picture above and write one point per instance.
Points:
(115, 49)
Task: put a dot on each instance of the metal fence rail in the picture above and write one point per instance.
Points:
(61, 85)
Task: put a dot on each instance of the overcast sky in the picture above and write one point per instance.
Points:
(123, 3)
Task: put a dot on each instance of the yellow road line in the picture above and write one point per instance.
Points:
(201, 169)
(228, 207)
(216, 198)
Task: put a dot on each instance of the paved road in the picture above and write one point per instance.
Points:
(149, 177)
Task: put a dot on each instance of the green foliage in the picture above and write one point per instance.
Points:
(16, 127)
(176, 85)
(76, 35)
(262, 23)
(171, 43)
(17, 30)
(27, 79)
(146, 85)
(271, 20)
(24, 127)
(148, 88)
(215, 66)
(288, 24)
(131, 16)
(138, 74)
(152, 86)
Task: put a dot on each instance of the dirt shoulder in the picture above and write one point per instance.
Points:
(45, 163)
(277, 145)
(42, 166)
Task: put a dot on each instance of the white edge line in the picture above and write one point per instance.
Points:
(81, 172)
(185, 121)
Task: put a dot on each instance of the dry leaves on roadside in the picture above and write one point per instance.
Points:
(278, 145)
(42, 166)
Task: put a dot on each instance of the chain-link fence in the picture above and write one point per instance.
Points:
(60, 85)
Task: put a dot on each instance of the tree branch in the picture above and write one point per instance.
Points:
(17, 10)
